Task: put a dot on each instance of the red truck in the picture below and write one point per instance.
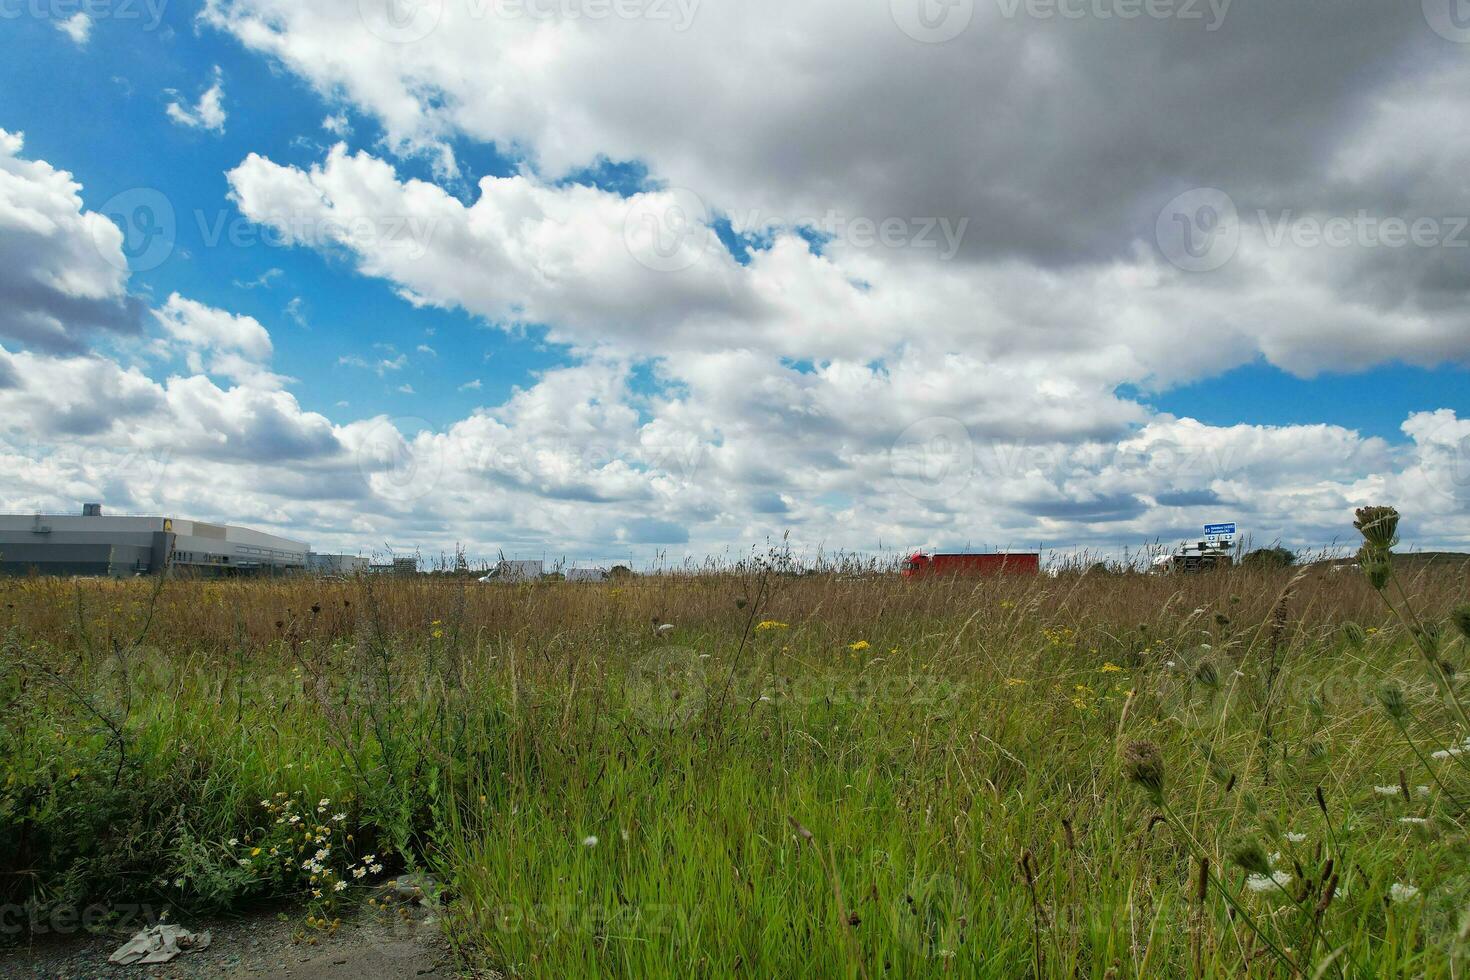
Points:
(920, 565)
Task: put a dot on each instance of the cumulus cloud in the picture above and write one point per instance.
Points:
(63, 273)
(208, 113)
(868, 289)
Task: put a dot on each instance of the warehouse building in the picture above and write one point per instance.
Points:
(93, 544)
(336, 565)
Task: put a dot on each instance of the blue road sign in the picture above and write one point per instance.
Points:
(1219, 530)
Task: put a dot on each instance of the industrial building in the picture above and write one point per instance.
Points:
(93, 544)
(348, 565)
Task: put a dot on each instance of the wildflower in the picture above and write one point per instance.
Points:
(1379, 527)
(1401, 892)
(1109, 668)
(859, 646)
(1014, 682)
(771, 624)
(255, 852)
(1007, 604)
(243, 862)
(338, 817)
(589, 841)
(1296, 838)
(369, 858)
(234, 841)
(359, 872)
(1144, 764)
(178, 882)
(339, 886)
(316, 893)
(323, 854)
(376, 869)
(1264, 883)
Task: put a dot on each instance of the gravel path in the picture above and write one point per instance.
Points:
(371, 946)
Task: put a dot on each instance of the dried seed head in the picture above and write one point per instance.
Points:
(1461, 618)
(1207, 675)
(1249, 855)
(1391, 696)
(1376, 564)
(1144, 764)
(1379, 527)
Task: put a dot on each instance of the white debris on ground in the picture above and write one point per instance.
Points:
(158, 944)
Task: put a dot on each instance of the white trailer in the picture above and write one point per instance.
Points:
(586, 574)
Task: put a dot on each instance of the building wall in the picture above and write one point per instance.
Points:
(125, 546)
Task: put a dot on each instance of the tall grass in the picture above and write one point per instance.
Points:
(839, 774)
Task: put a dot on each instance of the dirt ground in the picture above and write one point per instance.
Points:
(370, 946)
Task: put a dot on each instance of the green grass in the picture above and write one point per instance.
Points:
(765, 802)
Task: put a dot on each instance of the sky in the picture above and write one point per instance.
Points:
(667, 279)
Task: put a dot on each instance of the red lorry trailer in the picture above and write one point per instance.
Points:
(920, 565)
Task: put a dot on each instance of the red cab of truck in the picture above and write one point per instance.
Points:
(920, 565)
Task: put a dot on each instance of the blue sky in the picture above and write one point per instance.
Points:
(606, 363)
(101, 109)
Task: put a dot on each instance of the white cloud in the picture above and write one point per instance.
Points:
(204, 328)
(956, 384)
(78, 27)
(63, 272)
(208, 113)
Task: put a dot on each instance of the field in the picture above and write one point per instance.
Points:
(1098, 775)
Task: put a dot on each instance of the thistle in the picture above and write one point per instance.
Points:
(1144, 764)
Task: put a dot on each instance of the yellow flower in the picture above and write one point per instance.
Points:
(859, 645)
(1007, 604)
(771, 624)
(1110, 668)
(1014, 682)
